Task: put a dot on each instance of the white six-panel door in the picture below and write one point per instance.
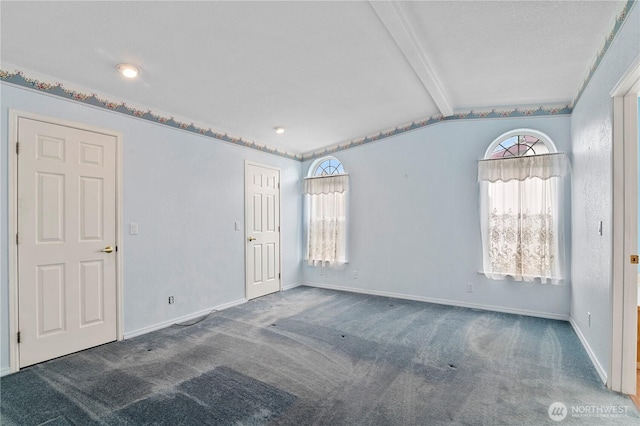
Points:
(262, 225)
(66, 226)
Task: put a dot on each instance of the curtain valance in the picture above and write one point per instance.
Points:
(326, 184)
(542, 166)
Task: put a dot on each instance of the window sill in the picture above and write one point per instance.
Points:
(526, 279)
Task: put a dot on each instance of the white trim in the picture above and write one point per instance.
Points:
(5, 371)
(119, 236)
(394, 18)
(12, 193)
(525, 312)
(592, 356)
(194, 315)
(14, 115)
(630, 294)
(290, 286)
(503, 137)
(630, 82)
(617, 256)
(624, 278)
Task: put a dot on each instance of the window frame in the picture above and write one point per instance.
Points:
(520, 132)
(311, 173)
(307, 213)
(560, 243)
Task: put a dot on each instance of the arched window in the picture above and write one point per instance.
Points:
(327, 166)
(521, 207)
(325, 191)
(520, 143)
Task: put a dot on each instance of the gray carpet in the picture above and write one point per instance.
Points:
(313, 356)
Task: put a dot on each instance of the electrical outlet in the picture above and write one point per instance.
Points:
(171, 300)
(133, 228)
(589, 318)
(470, 288)
(354, 274)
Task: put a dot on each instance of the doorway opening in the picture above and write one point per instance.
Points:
(623, 368)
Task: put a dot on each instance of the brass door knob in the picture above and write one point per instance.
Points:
(107, 249)
(251, 239)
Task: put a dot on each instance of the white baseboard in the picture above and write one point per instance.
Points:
(169, 323)
(5, 371)
(594, 360)
(290, 286)
(525, 312)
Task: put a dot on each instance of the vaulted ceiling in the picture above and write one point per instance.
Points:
(328, 72)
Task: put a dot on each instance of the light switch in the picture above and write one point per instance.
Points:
(237, 226)
(133, 228)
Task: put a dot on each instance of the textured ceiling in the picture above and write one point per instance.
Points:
(328, 72)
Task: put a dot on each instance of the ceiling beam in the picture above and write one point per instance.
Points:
(393, 18)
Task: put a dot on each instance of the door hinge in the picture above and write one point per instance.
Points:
(278, 228)
(17, 147)
(634, 259)
(279, 275)
(19, 337)
(278, 185)
(17, 238)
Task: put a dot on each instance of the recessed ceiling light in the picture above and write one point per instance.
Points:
(128, 70)
(279, 130)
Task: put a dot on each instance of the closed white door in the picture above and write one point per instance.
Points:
(262, 210)
(66, 234)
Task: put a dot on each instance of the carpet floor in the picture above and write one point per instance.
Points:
(322, 357)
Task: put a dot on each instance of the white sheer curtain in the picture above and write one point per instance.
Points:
(326, 200)
(521, 216)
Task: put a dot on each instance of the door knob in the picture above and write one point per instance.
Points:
(251, 239)
(107, 249)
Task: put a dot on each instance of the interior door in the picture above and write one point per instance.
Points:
(262, 225)
(66, 240)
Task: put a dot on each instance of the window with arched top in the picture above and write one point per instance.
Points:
(520, 143)
(521, 184)
(325, 191)
(327, 166)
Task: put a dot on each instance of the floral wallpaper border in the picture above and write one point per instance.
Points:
(619, 21)
(19, 79)
(471, 115)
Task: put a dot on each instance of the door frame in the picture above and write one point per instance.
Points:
(14, 116)
(624, 291)
(246, 225)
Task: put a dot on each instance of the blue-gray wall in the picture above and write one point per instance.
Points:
(414, 227)
(592, 135)
(186, 192)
